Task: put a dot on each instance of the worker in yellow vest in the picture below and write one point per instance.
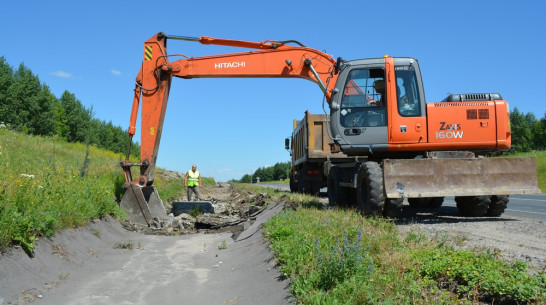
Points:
(192, 182)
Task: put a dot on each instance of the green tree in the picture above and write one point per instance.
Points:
(78, 118)
(61, 121)
(246, 179)
(521, 131)
(22, 100)
(539, 131)
(281, 170)
(6, 79)
(43, 117)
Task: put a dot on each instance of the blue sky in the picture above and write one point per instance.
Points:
(231, 127)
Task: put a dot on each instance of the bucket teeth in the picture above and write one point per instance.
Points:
(142, 205)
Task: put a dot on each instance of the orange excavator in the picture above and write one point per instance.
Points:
(402, 146)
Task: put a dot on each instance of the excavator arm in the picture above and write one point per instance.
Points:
(271, 59)
(267, 59)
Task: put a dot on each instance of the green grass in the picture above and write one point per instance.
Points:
(41, 190)
(338, 257)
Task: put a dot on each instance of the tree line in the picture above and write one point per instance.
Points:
(528, 132)
(279, 171)
(28, 105)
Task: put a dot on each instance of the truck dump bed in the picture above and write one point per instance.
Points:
(311, 142)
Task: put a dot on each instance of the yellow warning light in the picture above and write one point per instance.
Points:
(386, 55)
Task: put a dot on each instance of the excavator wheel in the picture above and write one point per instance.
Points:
(370, 193)
(426, 202)
(436, 202)
(473, 206)
(393, 207)
(498, 205)
(418, 203)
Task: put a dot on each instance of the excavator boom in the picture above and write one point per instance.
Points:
(268, 59)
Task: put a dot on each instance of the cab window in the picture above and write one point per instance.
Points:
(407, 91)
(364, 99)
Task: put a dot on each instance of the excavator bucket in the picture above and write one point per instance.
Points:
(459, 177)
(142, 204)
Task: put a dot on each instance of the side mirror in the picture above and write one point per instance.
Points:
(287, 143)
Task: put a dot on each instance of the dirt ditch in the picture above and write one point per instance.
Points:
(218, 258)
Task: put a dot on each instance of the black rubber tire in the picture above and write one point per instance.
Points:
(435, 202)
(335, 196)
(300, 182)
(314, 188)
(349, 196)
(418, 203)
(426, 202)
(393, 207)
(473, 206)
(498, 205)
(293, 185)
(370, 191)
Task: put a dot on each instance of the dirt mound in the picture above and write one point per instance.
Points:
(223, 208)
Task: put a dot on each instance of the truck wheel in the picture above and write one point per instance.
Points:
(300, 184)
(370, 190)
(315, 188)
(293, 185)
(335, 195)
(473, 206)
(498, 205)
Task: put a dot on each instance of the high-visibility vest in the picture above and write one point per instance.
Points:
(193, 178)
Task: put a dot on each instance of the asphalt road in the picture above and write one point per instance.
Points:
(533, 206)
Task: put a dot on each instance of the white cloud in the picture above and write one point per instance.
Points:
(62, 74)
(115, 72)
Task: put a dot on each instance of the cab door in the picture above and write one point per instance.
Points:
(406, 111)
(359, 108)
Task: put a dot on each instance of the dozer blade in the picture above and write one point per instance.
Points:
(459, 177)
(142, 204)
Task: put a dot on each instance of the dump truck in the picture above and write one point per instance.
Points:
(403, 147)
(310, 153)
